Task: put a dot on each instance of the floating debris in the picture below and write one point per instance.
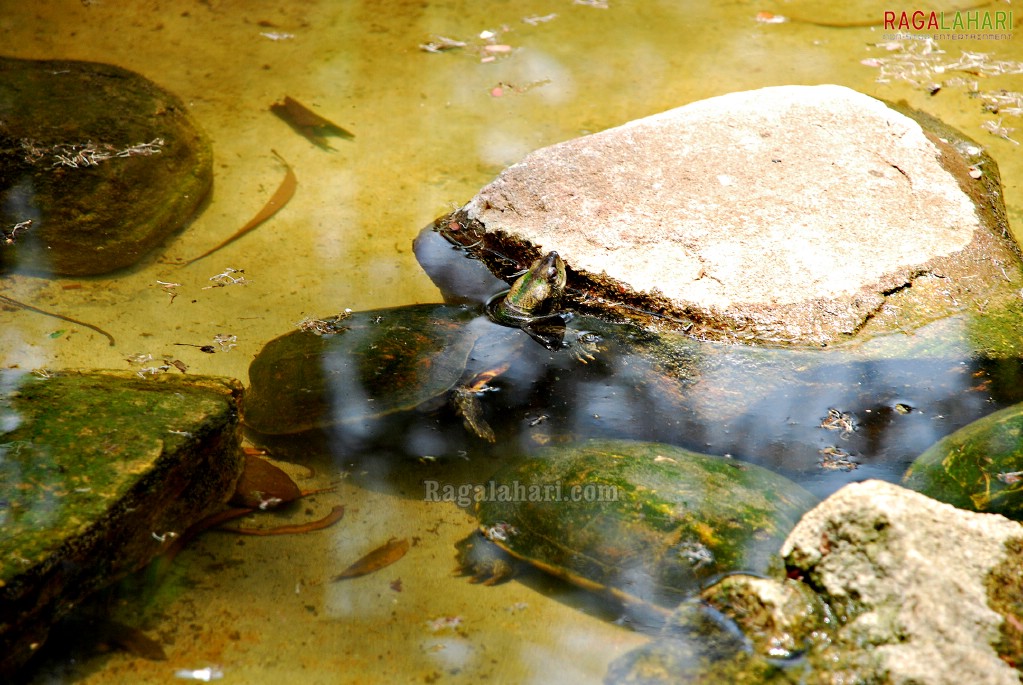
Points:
(325, 326)
(995, 128)
(9, 235)
(285, 191)
(382, 556)
(168, 288)
(90, 154)
(226, 341)
(445, 623)
(224, 279)
(442, 44)
(537, 19)
(308, 123)
(201, 674)
(277, 35)
(769, 18)
(836, 459)
(839, 421)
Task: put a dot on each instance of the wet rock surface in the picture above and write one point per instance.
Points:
(97, 166)
(98, 473)
(885, 586)
(794, 214)
(909, 580)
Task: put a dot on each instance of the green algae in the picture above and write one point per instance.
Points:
(98, 472)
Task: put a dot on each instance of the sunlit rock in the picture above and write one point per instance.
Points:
(792, 214)
(919, 588)
(99, 472)
(97, 166)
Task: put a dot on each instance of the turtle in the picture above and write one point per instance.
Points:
(647, 524)
(979, 467)
(351, 369)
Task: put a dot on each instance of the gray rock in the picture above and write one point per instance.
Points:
(909, 580)
(790, 214)
(98, 471)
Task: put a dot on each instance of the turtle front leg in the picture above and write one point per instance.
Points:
(466, 399)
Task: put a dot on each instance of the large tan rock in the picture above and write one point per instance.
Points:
(786, 214)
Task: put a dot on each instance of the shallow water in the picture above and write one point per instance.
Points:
(430, 130)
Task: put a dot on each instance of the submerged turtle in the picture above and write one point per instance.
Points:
(644, 523)
(355, 368)
(979, 467)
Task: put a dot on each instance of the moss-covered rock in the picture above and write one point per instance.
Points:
(97, 166)
(98, 473)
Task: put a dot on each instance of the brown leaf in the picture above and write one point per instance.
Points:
(382, 556)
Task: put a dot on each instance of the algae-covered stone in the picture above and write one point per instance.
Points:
(646, 523)
(979, 467)
(97, 166)
(97, 472)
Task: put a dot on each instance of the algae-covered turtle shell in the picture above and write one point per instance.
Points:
(370, 364)
(979, 467)
(643, 522)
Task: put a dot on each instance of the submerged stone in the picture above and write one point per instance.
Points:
(979, 467)
(793, 214)
(97, 166)
(98, 472)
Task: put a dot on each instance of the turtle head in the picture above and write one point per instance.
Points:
(536, 293)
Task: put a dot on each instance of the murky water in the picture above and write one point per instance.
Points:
(430, 130)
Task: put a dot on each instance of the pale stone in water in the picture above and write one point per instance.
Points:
(909, 573)
(794, 211)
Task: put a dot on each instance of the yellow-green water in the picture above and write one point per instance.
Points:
(429, 133)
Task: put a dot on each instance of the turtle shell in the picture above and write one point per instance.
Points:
(979, 467)
(643, 522)
(372, 364)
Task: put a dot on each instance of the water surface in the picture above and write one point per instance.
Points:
(430, 130)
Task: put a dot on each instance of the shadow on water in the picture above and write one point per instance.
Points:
(821, 418)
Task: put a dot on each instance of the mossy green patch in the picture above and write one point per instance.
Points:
(98, 472)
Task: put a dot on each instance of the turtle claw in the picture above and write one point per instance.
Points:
(585, 347)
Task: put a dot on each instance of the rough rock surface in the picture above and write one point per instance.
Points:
(95, 470)
(97, 166)
(907, 577)
(790, 214)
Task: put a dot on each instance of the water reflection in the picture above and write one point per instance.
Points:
(817, 417)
